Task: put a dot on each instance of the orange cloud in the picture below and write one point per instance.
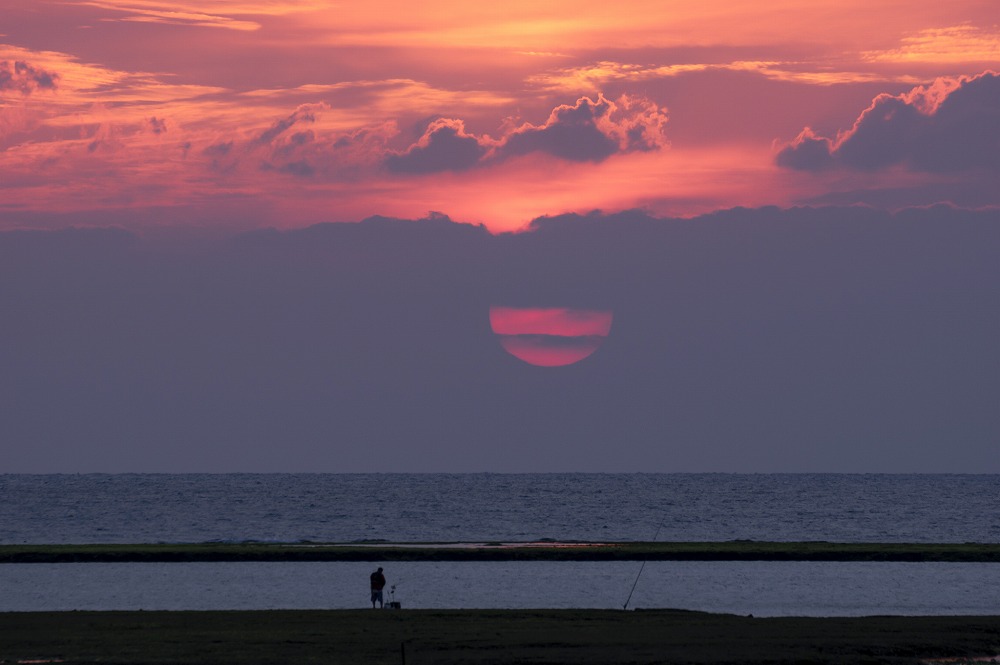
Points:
(596, 76)
(953, 44)
(309, 110)
(567, 26)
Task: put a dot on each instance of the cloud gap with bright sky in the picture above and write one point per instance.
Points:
(192, 133)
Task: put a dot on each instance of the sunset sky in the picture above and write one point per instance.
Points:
(670, 235)
(241, 114)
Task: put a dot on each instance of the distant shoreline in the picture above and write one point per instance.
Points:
(549, 550)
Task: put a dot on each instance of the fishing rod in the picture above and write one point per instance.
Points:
(643, 566)
(393, 603)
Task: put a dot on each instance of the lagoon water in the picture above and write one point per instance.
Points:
(758, 588)
(152, 508)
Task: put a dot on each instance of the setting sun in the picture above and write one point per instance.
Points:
(550, 337)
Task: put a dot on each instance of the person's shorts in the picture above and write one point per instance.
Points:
(376, 596)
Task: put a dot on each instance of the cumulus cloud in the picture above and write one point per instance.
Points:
(807, 152)
(591, 131)
(950, 126)
(25, 78)
(571, 132)
(299, 144)
(445, 146)
(587, 131)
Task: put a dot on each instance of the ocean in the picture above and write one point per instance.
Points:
(162, 508)
(190, 508)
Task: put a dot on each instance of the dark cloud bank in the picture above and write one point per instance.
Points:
(829, 339)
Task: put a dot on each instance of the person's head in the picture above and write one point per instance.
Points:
(380, 569)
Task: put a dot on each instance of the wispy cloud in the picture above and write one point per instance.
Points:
(361, 101)
(596, 75)
(236, 15)
(160, 14)
(948, 45)
(599, 74)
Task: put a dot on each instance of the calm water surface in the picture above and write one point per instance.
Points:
(758, 588)
(151, 508)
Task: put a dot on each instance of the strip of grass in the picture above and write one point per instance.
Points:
(484, 637)
(550, 551)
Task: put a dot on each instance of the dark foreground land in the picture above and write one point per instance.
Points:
(737, 550)
(481, 637)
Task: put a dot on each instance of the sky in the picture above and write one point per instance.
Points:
(253, 235)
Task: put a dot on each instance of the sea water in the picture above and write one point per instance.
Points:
(155, 508)
(152, 508)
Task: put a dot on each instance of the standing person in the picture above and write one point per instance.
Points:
(378, 583)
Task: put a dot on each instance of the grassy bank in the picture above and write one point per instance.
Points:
(483, 637)
(544, 551)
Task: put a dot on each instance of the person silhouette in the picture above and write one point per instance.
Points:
(378, 583)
